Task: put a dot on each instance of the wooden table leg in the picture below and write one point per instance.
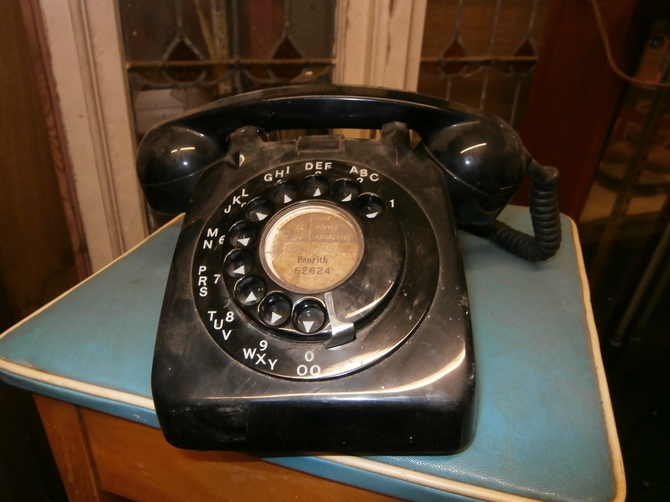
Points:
(67, 438)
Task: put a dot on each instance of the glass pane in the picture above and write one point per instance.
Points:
(148, 28)
(184, 53)
(482, 53)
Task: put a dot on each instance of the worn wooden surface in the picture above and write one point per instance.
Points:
(64, 429)
(136, 462)
(101, 457)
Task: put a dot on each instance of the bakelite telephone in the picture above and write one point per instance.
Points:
(317, 299)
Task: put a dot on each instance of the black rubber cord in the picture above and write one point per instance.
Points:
(544, 214)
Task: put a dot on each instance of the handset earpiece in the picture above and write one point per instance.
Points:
(170, 160)
(483, 161)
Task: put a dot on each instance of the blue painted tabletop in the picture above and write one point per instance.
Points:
(544, 428)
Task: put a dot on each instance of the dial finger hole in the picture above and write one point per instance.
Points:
(369, 206)
(259, 210)
(284, 193)
(250, 290)
(345, 191)
(275, 309)
(314, 186)
(309, 316)
(238, 263)
(242, 234)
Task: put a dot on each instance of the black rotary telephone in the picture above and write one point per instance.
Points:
(317, 300)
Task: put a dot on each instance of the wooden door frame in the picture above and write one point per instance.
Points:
(37, 44)
(81, 47)
(378, 42)
(575, 94)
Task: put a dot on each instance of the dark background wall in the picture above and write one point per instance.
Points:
(36, 259)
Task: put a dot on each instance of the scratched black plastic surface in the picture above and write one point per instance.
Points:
(417, 397)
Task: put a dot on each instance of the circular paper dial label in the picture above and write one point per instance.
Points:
(311, 248)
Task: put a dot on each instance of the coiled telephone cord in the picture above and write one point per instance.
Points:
(544, 214)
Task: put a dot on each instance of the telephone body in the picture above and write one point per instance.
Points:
(317, 299)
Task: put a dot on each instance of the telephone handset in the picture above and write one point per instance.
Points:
(317, 300)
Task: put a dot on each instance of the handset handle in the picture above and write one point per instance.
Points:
(325, 106)
(482, 156)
